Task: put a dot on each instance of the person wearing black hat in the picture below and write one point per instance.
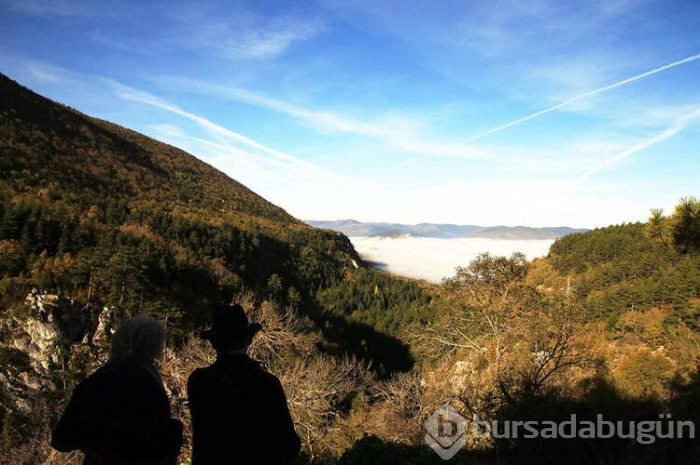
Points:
(239, 411)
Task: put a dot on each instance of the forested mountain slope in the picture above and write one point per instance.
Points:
(107, 215)
(99, 223)
(632, 266)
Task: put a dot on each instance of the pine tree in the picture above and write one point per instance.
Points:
(657, 226)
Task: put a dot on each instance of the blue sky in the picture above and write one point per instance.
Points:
(501, 112)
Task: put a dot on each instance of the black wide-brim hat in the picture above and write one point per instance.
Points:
(230, 325)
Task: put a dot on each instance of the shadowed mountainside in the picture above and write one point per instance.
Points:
(112, 218)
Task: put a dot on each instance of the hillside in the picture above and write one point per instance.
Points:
(102, 213)
(49, 146)
(443, 231)
(98, 223)
(108, 217)
(626, 268)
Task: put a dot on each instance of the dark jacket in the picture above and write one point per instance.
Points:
(120, 415)
(239, 415)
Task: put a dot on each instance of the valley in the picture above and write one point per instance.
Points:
(434, 259)
(99, 223)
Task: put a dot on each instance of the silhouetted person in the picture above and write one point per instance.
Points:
(239, 411)
(121, 414)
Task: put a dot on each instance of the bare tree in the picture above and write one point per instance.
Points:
(508, 341)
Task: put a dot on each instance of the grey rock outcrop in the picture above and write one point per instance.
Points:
(105, 328)
(40, 340)
(39, 336)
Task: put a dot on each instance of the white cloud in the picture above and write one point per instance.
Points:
(43, 73)
(205, 146)
(433, 259)
(680, 124)
(574, 156)
(67, 8)
(408, 140)
(240, 36)
(399, 132)
(585, 95)
(129, 93)
(267, 43)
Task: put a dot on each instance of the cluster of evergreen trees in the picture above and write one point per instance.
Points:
(636, 266)
(155, 261)
(381, 301)
(681, 229)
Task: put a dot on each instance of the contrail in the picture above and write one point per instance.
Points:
(563, 104)
(586, 95)
(129, 93)
(228, 148)
(674, 129)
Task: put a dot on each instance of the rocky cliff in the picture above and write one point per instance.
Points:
(43, 339)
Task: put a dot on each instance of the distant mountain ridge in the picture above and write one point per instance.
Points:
(351, 227)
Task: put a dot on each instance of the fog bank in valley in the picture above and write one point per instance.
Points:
(432, 259)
